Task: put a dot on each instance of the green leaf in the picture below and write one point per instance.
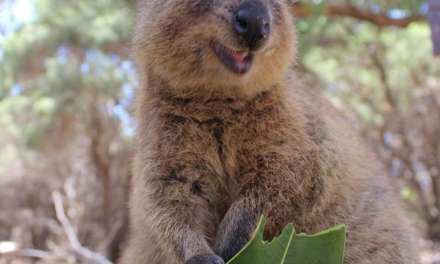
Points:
(326, 247)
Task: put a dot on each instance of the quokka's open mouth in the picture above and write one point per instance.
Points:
(237, 61)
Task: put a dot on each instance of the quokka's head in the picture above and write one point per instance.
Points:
(245, 46)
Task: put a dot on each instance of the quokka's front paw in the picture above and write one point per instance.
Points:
(205, 259)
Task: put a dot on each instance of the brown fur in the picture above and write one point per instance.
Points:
(215, 149)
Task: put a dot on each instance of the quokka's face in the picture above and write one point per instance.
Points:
(247, 44)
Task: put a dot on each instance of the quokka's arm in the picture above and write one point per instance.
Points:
(267, 187)
(237, 227)
(178, 205)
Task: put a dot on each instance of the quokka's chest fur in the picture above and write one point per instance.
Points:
(234, 139)
(224, 126)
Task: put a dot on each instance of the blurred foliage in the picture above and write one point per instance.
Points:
(67, 86)
(56, 57)
(345, 63)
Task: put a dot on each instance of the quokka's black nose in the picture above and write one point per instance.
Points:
(252, 23)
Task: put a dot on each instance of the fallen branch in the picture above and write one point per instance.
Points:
(82, 251)
(10, 249)
(347, 10)
(32, 253)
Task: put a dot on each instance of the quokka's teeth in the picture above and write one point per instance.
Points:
(240, 56)
(238, 52)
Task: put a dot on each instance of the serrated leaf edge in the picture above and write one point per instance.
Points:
(261, 222)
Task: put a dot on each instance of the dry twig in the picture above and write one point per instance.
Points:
(85, 253)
